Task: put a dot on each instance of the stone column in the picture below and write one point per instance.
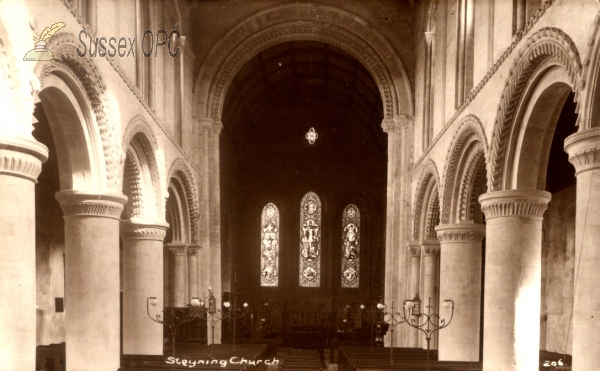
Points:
(584, 153)
(20, 164)
(512, 278)
(430, 284)
(460, 280)
(92, 280)
(178, 249)
(193, 271)
(415, 280)
(142, 278)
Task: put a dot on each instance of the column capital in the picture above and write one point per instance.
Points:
(429, 37)
(137, 231)
(206, 123)
(22, 157)
(414, 248)
(583, 148)
(398, 122)
(467, 232)
(177, 248)
(78, 203)
(217, 127)
(192, 250)
(514, 203)
(430, 247)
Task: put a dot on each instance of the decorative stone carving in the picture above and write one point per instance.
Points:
(472, 178)
(414, 248)
(470, 130)
(22, 157)
(193, 250)
(519, 35)
(177, 248)
(430, 247)
(134, 231)
(588, 113)
(181, 169)
(514, 203)
(77, 203)
(64, 47)
(217, 127)
(428, 174)
(583, 148)
(467, 232)
(142, 147)
(388, 125)
(548, 44)
(294, 22)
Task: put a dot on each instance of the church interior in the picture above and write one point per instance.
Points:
(300, 185)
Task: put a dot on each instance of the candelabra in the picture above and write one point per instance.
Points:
(174, 317)
(213, 315)
(431, 321)
(235, 315)
(393, 319)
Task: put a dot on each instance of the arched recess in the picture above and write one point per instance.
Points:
(141, 178)
(550, 57)
(589, 115)
(289, 22)
(464, 172)
(101, 132)
(74, 133)
(427, 187)
(183, 186)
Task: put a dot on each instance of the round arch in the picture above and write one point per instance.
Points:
(292, 22)
(428, 182)
(180, 179)
(465, 163)
(73, 132)
(141, 173)
(546, 50)
(87, 82)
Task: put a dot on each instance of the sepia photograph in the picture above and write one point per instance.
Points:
(319, 185)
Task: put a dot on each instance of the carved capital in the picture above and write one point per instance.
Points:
(514, 203)
(192, 250)
(404, 121)
(136, 231)
(22, 157)
(584, 150)
(429, 37)
(468, 232)
(177, 248)
(388, 125)
(414, 248)
(78, 203)
(430, 247)
(217, 127)
(206, 123)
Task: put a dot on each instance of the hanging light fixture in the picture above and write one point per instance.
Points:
(311, 136)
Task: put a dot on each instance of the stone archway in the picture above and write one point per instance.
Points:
(296, 22)
(460, 237)
(547, 48)
(467, 152)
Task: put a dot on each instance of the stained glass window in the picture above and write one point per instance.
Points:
(310, 240)
(350, 246)
(269, 246)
